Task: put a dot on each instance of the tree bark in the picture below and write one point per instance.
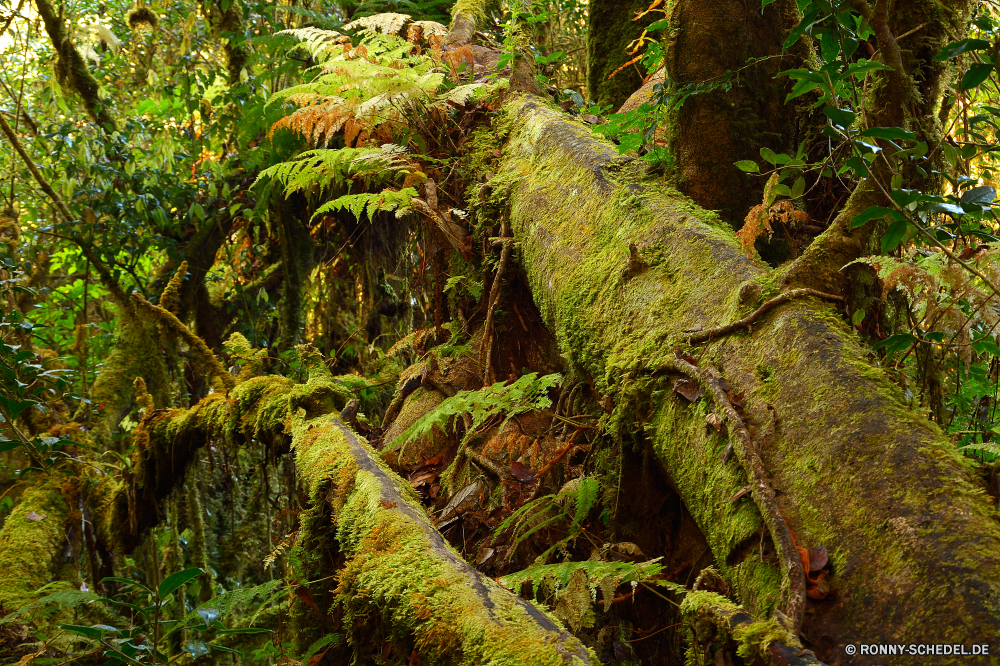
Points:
(715, 128)
(610, 30)
(853, 467)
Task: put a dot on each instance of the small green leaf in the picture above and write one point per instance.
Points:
(858, 317)
(871, 213)
(769, 155)
(894, 235)
(798, 187)
(748, 166)
(895, 343)
(173, 581)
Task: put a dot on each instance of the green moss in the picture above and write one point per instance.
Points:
(29, 547)
(610, 30)
(400, 570)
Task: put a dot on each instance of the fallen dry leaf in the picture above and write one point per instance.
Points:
(522, 472)
(385, 504)
(714, 420)
(688, 388)
(31, 515)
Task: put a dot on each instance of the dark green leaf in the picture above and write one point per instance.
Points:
(871, 213)
(983, 194)
(894, 235)
(842, 117)
(977, 73)
(895, 343)
(960, 47)
(89, 632)
(173, 581)
(938, 207)
(889, 133)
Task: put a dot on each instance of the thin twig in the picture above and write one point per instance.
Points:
(761, 491)
(508, 244)
(746, 322)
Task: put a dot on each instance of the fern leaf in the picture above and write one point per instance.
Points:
(386, 200)
(528, 393)
(990, 448)
(319, 44)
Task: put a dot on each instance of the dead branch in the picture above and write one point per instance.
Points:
(746, 322)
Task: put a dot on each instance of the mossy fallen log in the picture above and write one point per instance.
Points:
(913, 539)
(31, 539)
(398, 566)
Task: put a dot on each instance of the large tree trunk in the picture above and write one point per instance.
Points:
(913, 540)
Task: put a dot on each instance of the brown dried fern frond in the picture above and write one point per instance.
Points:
(318, 123)
(758, 220)
(456, 57)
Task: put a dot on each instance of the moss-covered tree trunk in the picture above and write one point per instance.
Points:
(913, 539)
(609, 32)
(739, 106)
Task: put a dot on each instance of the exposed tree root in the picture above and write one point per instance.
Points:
(760, 490)
(767, 641)
(748, 321)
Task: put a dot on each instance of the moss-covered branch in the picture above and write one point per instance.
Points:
(852, 464)
(71, 68)
(398, 565)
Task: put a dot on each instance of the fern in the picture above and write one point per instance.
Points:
(989, 448)
(237, 599)
(60, 598)
(323, 168)
(604, 575)
(387, 23)
(527, 393)
(319, 44)
(573, 504)
(371, 203)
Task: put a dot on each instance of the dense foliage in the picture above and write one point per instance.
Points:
(194, 196)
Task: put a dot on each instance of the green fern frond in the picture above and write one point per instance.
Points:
(604, 575)
(387, 23)
(319, 44)
(990, 448)
(528, 393)
(324, 168)
(370, 203)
